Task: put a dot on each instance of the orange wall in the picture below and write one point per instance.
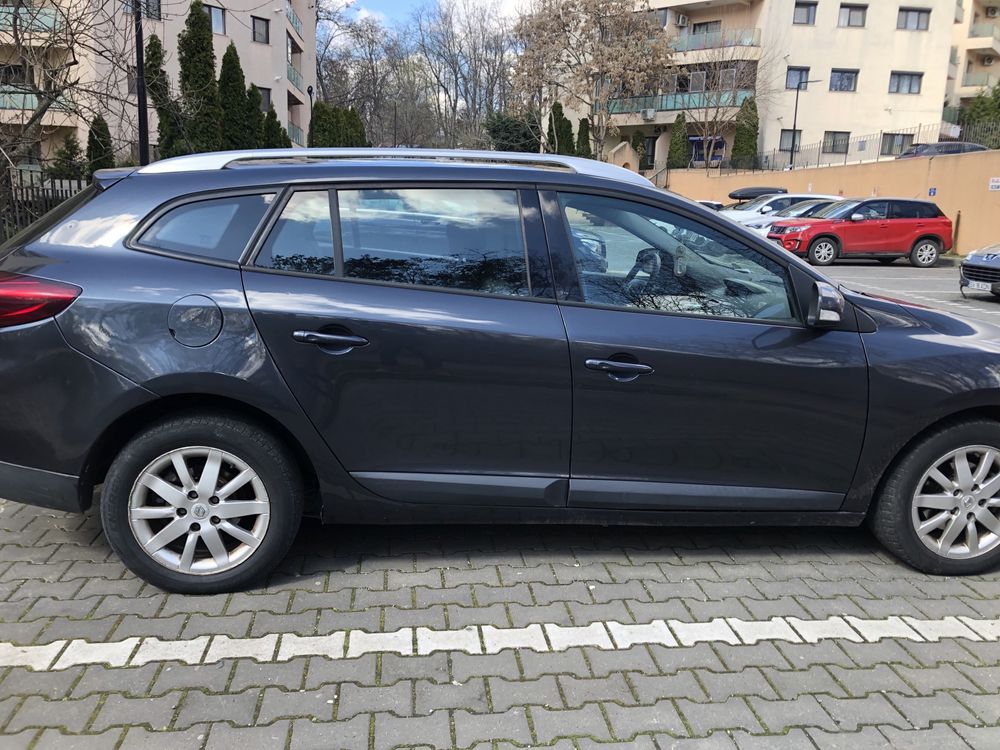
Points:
(962, 183)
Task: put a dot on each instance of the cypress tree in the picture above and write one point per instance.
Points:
(237, 132)
(678, 155)
(199, 90)
(100, 149)
(746, 137)
(355, 129)
(68, 162)
(321, 127)
(583, 148)
(560, 132)
(255, 110)
(510, 132)
(169, 121)
(638, 143)
(274, 136)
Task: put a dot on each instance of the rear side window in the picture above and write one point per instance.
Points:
(457, 239)
(302, 238)
(928, 211)
(903, 210)
(218, 228)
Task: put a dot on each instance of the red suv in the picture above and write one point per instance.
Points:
(880, 228)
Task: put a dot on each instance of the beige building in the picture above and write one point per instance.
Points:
(276, 42)
(873, 76)
(975, 55)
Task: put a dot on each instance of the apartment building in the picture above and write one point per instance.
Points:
(867, 75)
(975, 56)
(276, 42)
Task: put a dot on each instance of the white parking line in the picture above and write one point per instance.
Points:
(549, 637)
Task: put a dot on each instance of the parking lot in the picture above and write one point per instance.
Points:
(504, 637)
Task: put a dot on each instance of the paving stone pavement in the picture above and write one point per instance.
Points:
(499, 637)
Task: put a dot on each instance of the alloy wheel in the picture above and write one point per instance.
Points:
(926, 253)
(824, 252)
(198, 510)
(956, 506)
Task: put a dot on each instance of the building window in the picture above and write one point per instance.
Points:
(659, 18)
(805, 14)
(265, 99)
(836, 141)
(706, 27)
(150, 8)
(130, 79)
(893, 144)
(843, 80)
(787, 140)
(905, 83)
(261, 30)
(727, 79)
(13, 75)
(853, 15)
(913, 19)
(649, 153)
(218, 16)
(797, 78)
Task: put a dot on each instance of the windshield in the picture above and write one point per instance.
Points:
(837, 210)
(798, 209)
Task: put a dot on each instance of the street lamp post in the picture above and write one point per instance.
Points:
(309, 90)
(795, 122)
(140, 85)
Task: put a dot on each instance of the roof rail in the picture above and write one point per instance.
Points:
(223, 159)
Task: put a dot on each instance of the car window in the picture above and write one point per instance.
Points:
(781, 204)
(903, 210)
(302, 238)
(927, 211)
(658, 260)
(218, 228)
(442, 237)
(873, 209)
(837, 210)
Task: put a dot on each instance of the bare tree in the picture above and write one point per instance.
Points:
(586, 53)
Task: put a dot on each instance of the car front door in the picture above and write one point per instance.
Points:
(869, 235)
(695, 383)
(417, 327)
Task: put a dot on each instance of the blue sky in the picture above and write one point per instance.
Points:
(389, 10)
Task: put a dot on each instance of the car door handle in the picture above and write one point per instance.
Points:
(619, 370)
(341, 342)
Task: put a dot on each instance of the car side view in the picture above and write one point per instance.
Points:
(880, 228)
(214, 346)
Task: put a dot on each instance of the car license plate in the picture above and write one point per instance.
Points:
(981, 286)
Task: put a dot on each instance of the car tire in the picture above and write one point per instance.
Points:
(193, 535)
(912, 520)
(887, 261)
(925, 253)
(822, 252)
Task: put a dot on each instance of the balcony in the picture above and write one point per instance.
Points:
(39, 20)
(11, 97)
(296, 134)
(295, 77)
(679, 102)
(979, 79)
(984, 37)
(716, 40)
(293, 19)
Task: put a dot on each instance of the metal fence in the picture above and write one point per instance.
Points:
(34, 195)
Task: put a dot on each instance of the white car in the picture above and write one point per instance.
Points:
(762, 223)
(769, 204)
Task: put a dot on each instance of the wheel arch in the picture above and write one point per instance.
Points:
(827, 236)
(114, 437)
(936, 238)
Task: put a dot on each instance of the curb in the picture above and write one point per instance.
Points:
(949, 261)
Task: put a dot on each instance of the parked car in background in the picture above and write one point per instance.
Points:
(943, 148)
(714, 205)
(768, 204)
(980, 271)
(743, 196)
(879, 228)
(221, 344)
(762, 224)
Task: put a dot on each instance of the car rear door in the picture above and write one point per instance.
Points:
(417, 327)
(905, 225)
(871, 234)
(695, 385)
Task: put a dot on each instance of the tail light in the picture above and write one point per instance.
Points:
(26, 299)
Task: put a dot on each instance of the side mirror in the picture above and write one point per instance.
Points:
(826, 307)
(857, 217)
(766, 210)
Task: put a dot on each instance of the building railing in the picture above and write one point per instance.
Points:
(716, 40)
(680, 102)
(293, 18)
(295, 77)
(984, 29)
(11, 97)
(980, 78)
(296, 134)
(30, 19)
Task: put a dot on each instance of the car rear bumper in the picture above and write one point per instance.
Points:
(46, 489)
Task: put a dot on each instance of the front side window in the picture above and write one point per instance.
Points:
(836, 141)
(843, 80)
(470, 239)
(853, 16)
(790, 139)
(302, 238)
(905, 83)
(218, 228)
(913, 19)
(796, 78)
(659, 261)
(218, 16)
(805, 14)
(873, 210)
(893, 144)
